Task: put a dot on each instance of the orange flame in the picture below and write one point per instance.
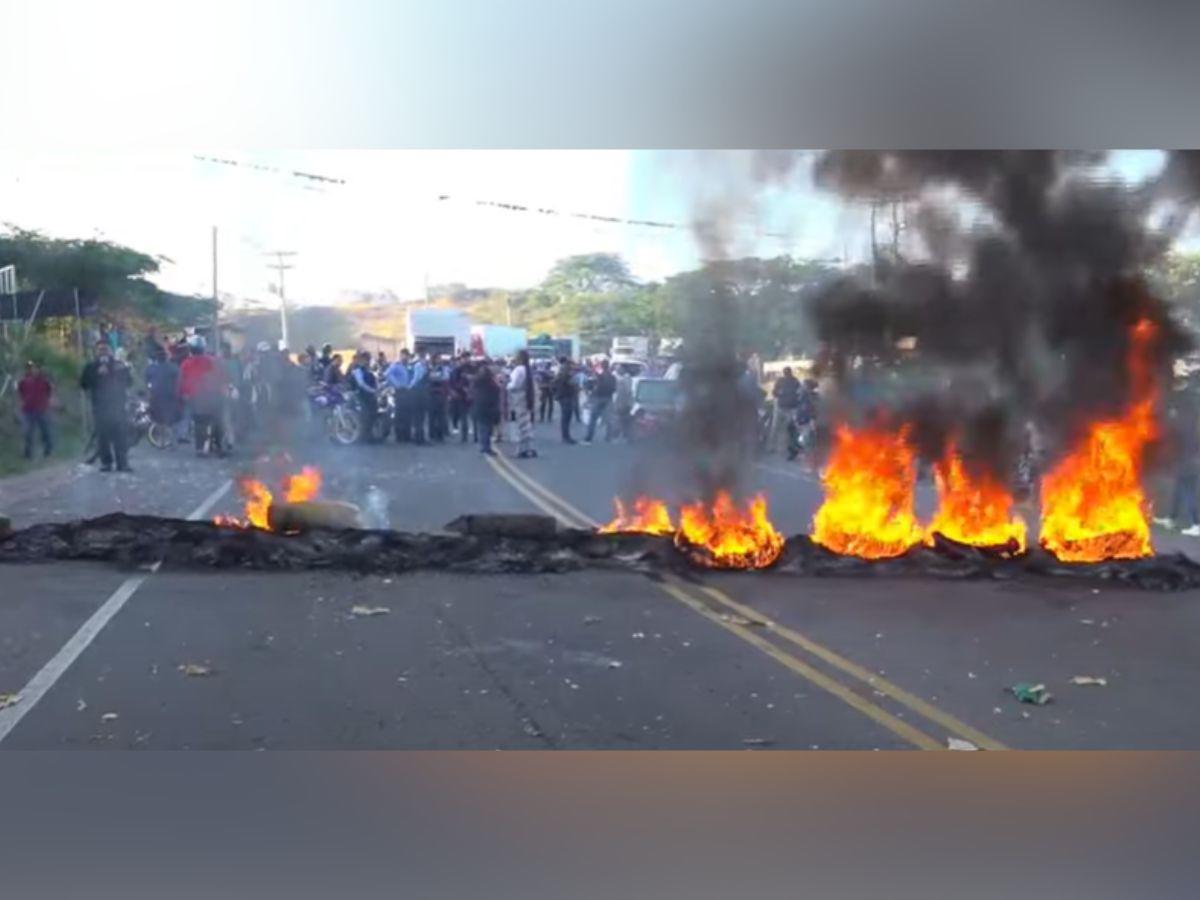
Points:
(869, 482)
(258, 498)
(974, 508)
(303, 487)
(732, 538)
(649, 516)
(1093, 504)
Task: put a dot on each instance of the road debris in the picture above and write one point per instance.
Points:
(615, 664)
(195, 670)
(109, 717)
(80, 705)
(1098, 681)
(7, 700)
(1087, 621)
(592, 620)
(362, 612)
(1027, 692)
(757, 742)
(959, 744)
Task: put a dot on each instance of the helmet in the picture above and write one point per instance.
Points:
(196, 342)
(263, 347)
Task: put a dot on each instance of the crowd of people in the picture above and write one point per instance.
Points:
(265, 395)
(431, 398)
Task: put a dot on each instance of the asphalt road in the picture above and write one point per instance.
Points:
(588, 660)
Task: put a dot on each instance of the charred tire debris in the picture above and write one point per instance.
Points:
(528, 544)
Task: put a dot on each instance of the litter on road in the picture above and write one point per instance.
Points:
(195, 670)
(1031, 693)
(1090, 680)
(360, 612)
(959, 744)
(7, 700)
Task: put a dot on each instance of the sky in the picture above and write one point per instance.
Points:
(385, 228)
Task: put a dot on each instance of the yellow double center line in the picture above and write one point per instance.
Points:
(694, 597)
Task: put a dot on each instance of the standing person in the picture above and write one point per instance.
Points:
(231, 368)
(500, 372)
(202, 386)
(151, 346)
(603, 390)
(485, 407)
(1184, 419)
(439, 388)
(460, 395)
(786, 393)
(107, 383)
(35, 392)
(623, 406)
(291, 398)
(367, 388)
(521, 400)
(418, 392)
(566, 392)
(545, 392)
(162, 383)
(399, 376)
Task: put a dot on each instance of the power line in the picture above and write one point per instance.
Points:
(295, 173)
(506, 206)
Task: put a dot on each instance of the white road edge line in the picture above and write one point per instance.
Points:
(41, 683)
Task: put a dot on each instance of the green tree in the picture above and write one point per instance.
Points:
(117, 276)
(1176, 278)
(589, 273)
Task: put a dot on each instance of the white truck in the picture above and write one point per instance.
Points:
(497, 341)
(630, 346)
(440, 331)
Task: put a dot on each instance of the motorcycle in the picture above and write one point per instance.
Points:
(386, 413)
(138, 416)
(342, 423)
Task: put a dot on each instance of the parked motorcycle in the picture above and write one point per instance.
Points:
(336, 411)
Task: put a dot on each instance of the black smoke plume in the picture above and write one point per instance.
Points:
(1037, 299)
(718, 422)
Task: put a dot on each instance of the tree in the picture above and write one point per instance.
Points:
(93, 265)
(117, 276)
(590, 273)
(1176, 278)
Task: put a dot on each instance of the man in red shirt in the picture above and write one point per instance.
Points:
(202, 386)
(35, 391)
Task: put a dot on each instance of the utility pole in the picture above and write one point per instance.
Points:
(216, 302)
(280, 267)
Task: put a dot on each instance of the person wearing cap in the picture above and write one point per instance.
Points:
(35, 392)
(107, 382)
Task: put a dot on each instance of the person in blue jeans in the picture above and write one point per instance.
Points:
(35, 392)
(603, 392)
